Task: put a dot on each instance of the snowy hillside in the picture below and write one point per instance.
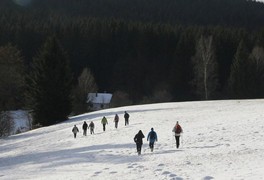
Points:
(221, 140)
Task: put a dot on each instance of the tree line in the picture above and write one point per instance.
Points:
(236, 13)
(50, 61)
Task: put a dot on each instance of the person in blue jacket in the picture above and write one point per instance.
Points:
(152, 137)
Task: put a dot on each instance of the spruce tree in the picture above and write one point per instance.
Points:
(12, 80)
(49, 84)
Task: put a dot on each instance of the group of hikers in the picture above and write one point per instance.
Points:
(85, 126)
(116, 120)
(152, 138)
(104, 122)
(152, 135)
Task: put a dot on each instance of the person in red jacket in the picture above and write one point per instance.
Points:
(177, 132)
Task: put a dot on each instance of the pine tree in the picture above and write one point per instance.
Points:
(12, 80)
(49, 84)
(180, 72)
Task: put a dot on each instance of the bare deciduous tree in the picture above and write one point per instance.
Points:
(256, 79)
(239, 72)
(86, 84)
(247, 73)
(205, 68)
(257, 57)
(86, 81)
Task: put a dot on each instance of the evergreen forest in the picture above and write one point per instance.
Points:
(142, 51)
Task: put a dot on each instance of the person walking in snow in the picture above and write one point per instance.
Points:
(138, 140)
(177, 129)
(91, 126)
(104, 122)
(116, 120)
(152, 137)
(85, 126)
(75, 130)
(126, 116)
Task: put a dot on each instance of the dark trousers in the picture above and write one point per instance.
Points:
(151, 145)
(139, 146)
(85, 132)
(177, 141)
(104, 127)
(126, 122)
(74, 135)
(116, 124)
(92, 130)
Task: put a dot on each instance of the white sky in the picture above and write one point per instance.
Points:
(221, 140)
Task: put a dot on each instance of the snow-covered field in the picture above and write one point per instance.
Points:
(221, 140)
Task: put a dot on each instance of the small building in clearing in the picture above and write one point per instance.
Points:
(99, 101)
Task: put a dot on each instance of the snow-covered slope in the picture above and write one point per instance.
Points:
(221, 140)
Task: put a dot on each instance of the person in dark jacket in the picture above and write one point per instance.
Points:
(116, 120)
(138, 140)
(177, 129)
(91, 126)
(75, 130)
(126, 116)
(85, 126)
(152, 137)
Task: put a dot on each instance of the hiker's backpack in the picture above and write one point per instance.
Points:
(178, 129)
(92, 125)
